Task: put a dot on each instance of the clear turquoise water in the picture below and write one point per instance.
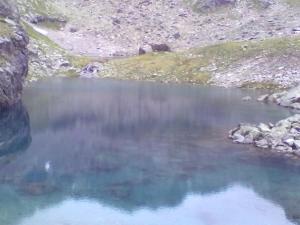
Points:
(94, 152)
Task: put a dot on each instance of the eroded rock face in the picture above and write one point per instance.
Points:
(13, 55)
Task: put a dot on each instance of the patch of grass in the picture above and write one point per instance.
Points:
(79, 61)
(163, 67)
(52, 25)
(5, 29)
(41, 7)
(262, 85)
(70, 73)
(293, 3)
(41, 38)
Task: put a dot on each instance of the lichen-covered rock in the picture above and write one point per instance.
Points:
(13, 55)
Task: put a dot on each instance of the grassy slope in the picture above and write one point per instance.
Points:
(197, 65)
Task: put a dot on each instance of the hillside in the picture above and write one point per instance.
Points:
(223, 42)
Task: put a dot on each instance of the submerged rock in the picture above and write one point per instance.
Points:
(284, 136)
(13, 55)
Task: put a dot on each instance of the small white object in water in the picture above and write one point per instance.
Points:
(247, 98)
(47, 166)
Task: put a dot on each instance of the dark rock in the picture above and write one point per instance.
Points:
(177, 35)
(73, 29)
(208, 5)
(116, 21)
(142, 51)
(36, 19)
(91, 70)
(160, 48)
(13, 56)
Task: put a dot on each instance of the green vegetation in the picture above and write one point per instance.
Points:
(162, 67)
(40, 7)
(5, 29)
(261, 85)
(293, 3)
(46, 42)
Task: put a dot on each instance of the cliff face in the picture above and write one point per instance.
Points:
(13, 55)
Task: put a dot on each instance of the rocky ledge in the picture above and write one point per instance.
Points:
(289, 99)
(13, 55)
(283, 137)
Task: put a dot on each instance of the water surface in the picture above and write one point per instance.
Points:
(97, 152)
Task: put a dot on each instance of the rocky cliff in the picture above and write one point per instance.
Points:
(13, 55)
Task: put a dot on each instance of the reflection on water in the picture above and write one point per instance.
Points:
(15, 130)
(236, 205)
(143, 153)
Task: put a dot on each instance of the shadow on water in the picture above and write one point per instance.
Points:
(15, 130)
(133, 146)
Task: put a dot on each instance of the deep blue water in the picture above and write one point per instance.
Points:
(97, 152)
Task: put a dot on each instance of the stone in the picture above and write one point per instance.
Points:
(73, 29)
(160, 48)
(297, 144)
(262, 98)
(263, 143)
(142, 51)
(176, 35)
(246, 98)
(91, 70)
(289, 141)
(36, 19)
(296, 30)
(264, 127)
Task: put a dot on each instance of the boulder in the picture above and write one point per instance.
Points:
(160, 48)
(142, 51)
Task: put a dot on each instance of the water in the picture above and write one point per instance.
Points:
(94, 152)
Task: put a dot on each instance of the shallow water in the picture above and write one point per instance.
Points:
(95, 152)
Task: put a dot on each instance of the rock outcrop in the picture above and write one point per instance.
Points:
(13, 55)
(282, 137)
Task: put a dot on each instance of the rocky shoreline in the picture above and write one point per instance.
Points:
(282, 137)
(288, 99)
